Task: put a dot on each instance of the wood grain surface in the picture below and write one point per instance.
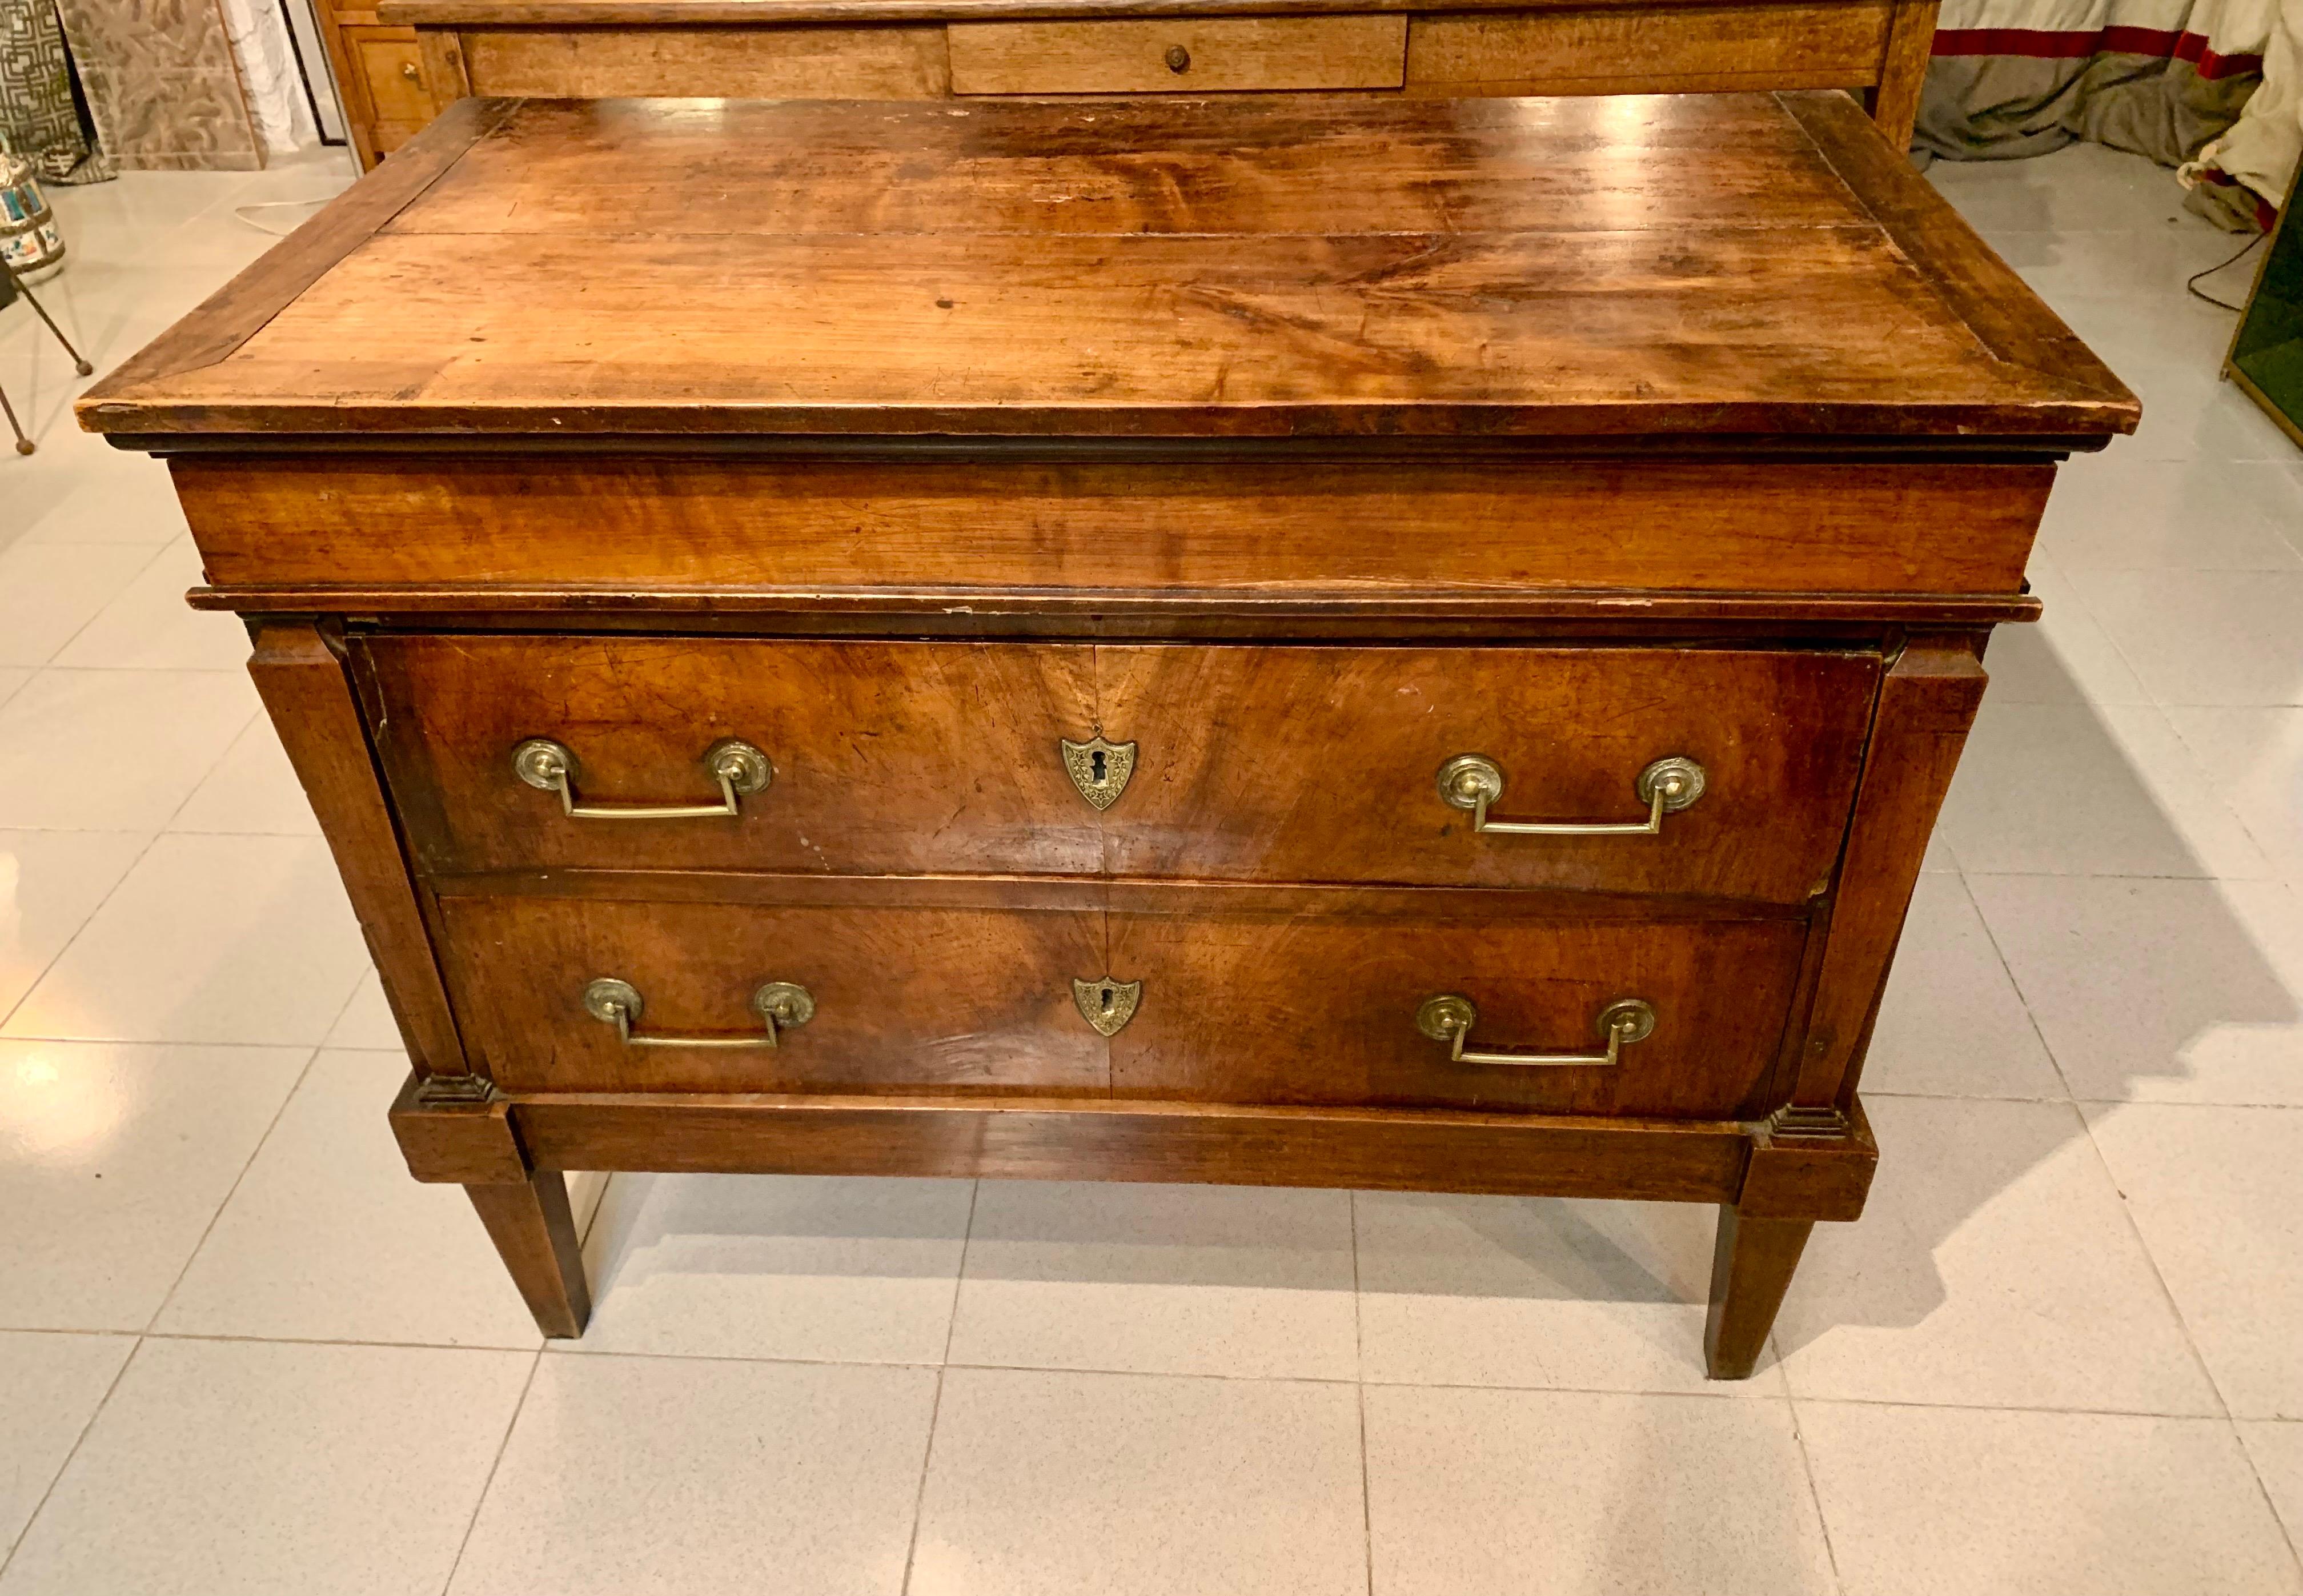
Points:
(1077, 1139)
(813, 63)
(1319, 763)
(1313, 1002)
(1218, 55)
(907, 998)
(762, 13)
(889, 757)
(1824, 43)
(1273, 764)
(1406, 528)
(1799, 310)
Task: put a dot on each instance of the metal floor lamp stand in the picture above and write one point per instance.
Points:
(10, 288)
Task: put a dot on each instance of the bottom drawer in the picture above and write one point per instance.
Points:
(1245, 995)
(1269, 999)
(954, 998)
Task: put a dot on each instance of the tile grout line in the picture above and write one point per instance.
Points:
(2263, 1493)
(2007, 969)
(272, 1125)
(151, 843)
(230, 1192)
(504, 1444)
(2191, 1342)
(1359, 1385)
(33, 1517)
(2158, 1275)
(2199, 759)
(101, 610)
(935, 1402)
(1814, 1492)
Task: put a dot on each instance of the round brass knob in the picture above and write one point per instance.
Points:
(409, 69)
(1179, 59)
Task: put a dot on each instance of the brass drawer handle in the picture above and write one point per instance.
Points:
(782, 1005)
(1473, 781)
(409, 71)
(737, 766)
(1449, 1016)
(1179, 59)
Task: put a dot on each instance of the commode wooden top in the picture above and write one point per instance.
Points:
(1740, 265)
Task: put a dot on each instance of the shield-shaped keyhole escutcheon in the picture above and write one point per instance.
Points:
(1107, 1004)
(1099, 769)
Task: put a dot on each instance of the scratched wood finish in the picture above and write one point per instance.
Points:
(889, 757)
(1776, 326)
(627, 13)
(1092, 169)
(1037, 1139)
(863, 63)
(1402, 529)
(1577, 427)
(1315, 1003)
(1288, 763)
(1828, 44)
(1594, 46)
(1926, 706)
(907, 997)
(1320, 764)
(307, 691)
(1221, 54)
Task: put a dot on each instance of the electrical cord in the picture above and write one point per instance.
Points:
(2192, 284)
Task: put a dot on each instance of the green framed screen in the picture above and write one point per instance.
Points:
(2267, 353)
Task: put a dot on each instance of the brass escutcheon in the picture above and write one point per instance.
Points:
(1107, 1004)
(1098, 768)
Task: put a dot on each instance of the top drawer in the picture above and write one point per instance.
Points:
(1182, 55)
(1171, 761)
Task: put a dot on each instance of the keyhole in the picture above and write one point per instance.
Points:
(1095, 763)
(1105, 993)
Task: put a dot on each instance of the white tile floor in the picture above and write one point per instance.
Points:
(240, 1352)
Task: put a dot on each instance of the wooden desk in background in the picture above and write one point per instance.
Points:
(403, 61)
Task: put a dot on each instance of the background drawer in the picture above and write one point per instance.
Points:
(1217, 54)
(888, 757)
(955, 998)
(392, 70)
(1251, 996)
(1313, 763)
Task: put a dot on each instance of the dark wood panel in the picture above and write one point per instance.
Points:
(1023, 1139)
(628, 523)
(888, 757)
(906, 999)
(1316, 1003)
(1321, 763)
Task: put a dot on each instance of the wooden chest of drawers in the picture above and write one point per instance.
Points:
(1411, 645)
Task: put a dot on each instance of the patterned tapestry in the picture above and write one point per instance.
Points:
(38, 117)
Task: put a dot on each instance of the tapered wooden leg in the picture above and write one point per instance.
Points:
(535, 1234)
(1751, 1264)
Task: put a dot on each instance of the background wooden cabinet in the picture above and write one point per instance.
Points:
(404, 61)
